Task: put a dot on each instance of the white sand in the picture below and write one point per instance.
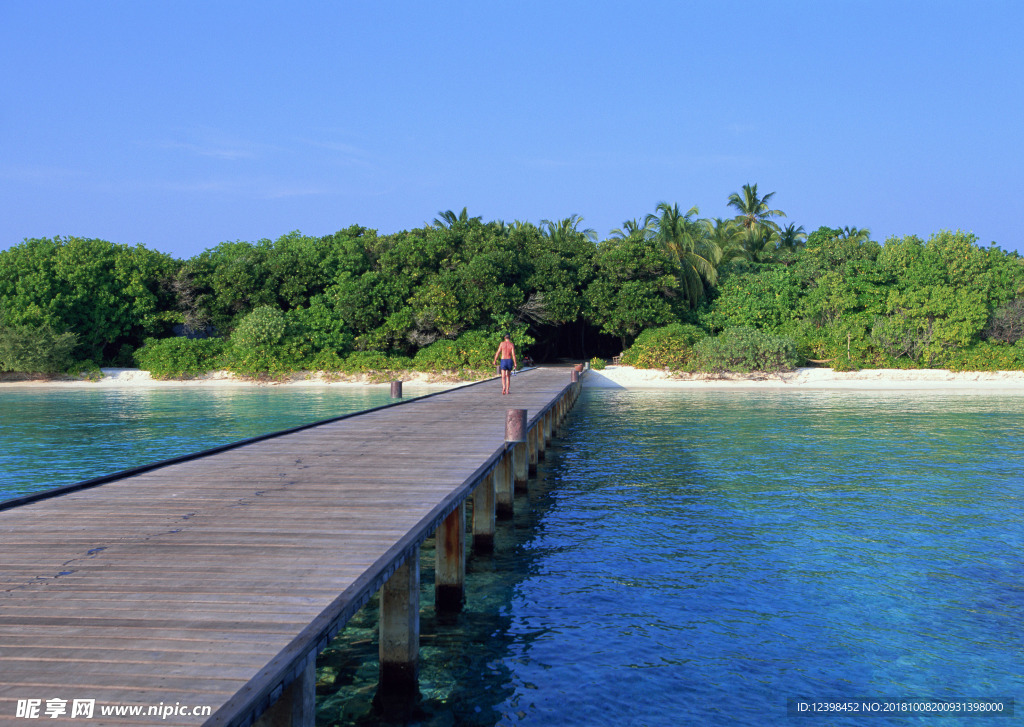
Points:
(627, 377)
(136, 378)
(624, 377)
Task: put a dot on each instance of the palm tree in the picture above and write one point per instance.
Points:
(754, 210)
(852, 233)
(523, 225)
(695, 256)
(725, 234)
(790, 237)
(564, 229)
(630, 228)
(450, 219)
(756, 240)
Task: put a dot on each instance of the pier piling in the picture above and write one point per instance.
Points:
(450, 558)
(533, 453)
(296, 707)
(515, 434)
(358, 496)
(400, 630)
(483, 515)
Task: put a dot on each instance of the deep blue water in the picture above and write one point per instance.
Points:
(702, 558)
(718, 553)
(683, 558)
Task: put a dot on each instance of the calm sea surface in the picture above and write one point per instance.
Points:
(683, 558)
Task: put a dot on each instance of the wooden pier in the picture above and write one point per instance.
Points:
(211, 582)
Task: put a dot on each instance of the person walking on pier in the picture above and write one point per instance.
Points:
(507, 353)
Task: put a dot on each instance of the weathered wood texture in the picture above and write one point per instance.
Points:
(209, 582)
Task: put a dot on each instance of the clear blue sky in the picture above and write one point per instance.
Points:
(181, 124)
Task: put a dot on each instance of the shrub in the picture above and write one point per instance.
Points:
(744, 349)
(363, 362)
(477, 349)
(29, 349)
(668, 347)
(988, 356)
(87, 369)
(180, 358)
(597, 363)
(472, 350)
(259, 330)
(438, 356)
(327, 361)
(255, 349)
(1006, 324)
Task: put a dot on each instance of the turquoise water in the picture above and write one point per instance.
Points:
(700, 559)
(54, 437)
(683, 558)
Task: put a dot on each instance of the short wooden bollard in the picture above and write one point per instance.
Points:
(574, 376)
(450, 557)
(515, 436)
(296, 707)
(483, 515)
(400, 630)
(396, 389)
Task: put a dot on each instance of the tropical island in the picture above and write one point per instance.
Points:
(669, 291)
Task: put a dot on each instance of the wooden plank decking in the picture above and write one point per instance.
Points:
(203, 582)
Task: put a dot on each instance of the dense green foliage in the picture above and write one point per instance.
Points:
(670, 347)
(179, 357)
(675, 291)
(35, 349)
(744, 349)
(850, 302)
(107, 295)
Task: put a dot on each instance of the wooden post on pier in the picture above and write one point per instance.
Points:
(396, 389)
(515, 436)
(503, 486)
(450, 557)
(548, 428)
(534, 452)
(483, 515)
(520, 450)
(400, 630)
(271, 681)
(296, 707)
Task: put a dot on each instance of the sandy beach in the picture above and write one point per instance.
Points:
(614, 377)
(627, 377)
(136, 378)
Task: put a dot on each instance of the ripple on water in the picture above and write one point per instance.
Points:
(697, 558)
(685, 557)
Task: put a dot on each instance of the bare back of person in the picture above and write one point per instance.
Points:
(507, 353)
